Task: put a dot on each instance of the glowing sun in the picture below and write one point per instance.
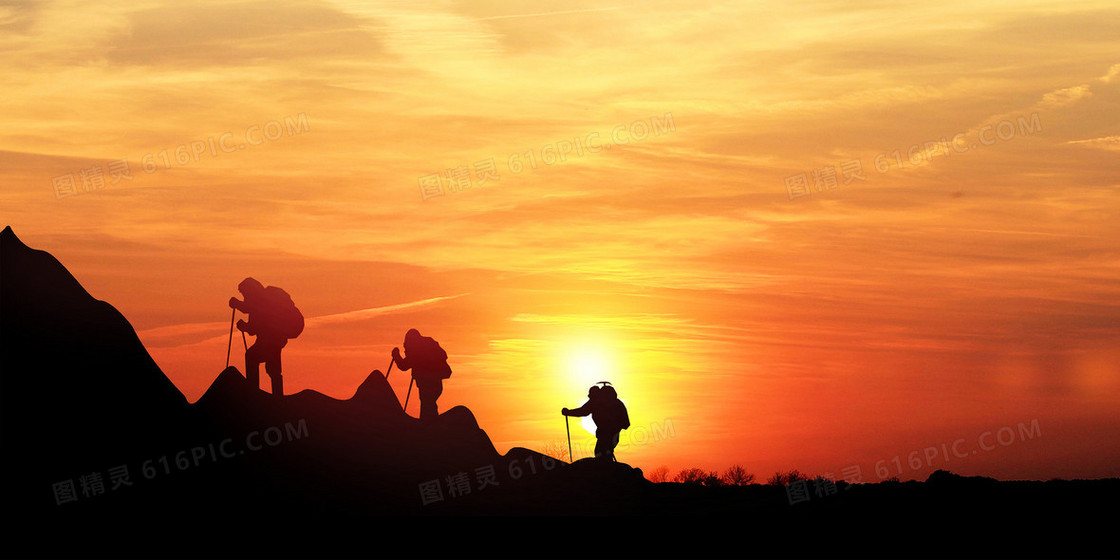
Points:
(587, 365)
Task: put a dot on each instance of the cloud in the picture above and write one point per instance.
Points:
(1110, 143)
(200, 333)
(237, 35)
(544, 14)
(369, 313)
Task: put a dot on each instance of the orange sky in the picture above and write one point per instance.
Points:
(823, 236)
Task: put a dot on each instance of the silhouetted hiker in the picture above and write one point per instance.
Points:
(428, 363)
(273, 319)
(609, 415)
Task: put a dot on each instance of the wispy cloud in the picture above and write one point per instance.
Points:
(369, 313)
(194, 333)
(1110, 143)
(552, 13)
(683, 241)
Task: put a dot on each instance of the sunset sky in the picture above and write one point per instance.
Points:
(824, 236)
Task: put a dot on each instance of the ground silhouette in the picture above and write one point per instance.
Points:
(100, 439)
(102, 450)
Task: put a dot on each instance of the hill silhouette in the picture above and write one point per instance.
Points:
(101, 447)
(97, 431)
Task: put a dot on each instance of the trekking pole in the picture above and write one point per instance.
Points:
(568, 427)
(389, 369)
(409, 394)
(243, 341)
(229, 346)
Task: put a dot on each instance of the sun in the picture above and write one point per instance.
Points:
(586, 365)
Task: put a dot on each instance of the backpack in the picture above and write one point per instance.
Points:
(426, 355)
(444, 369)
(623, 417)
(282, 313)
(615, 410)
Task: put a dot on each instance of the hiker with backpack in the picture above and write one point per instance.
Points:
(273, 320)
(609, 414)
(428, 363)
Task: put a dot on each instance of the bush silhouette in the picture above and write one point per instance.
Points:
(691, 476)
(660, 474)
(784, 478)
(698, 476)
(556, 450)
(737, 475)
(712, 479)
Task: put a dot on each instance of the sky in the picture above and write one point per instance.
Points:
(856, 239)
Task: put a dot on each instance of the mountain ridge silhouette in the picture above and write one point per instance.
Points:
(244, 472)
(83, 401)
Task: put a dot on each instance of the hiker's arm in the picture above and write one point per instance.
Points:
(581, 411)
(246, 327)
(237, 304)
(402, 362)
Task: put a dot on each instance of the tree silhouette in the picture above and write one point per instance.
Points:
(712, 479)
(660, 474)
(737, 475)
(691, 476)
(556, 450)
(784, 478)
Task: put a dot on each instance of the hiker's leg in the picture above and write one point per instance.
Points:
(272, 368)
(427, 407)
(600, 446)
(430, 391)
(605, 444)
(277, 379)
(612, 442)
(253, 365)
(437, 390)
